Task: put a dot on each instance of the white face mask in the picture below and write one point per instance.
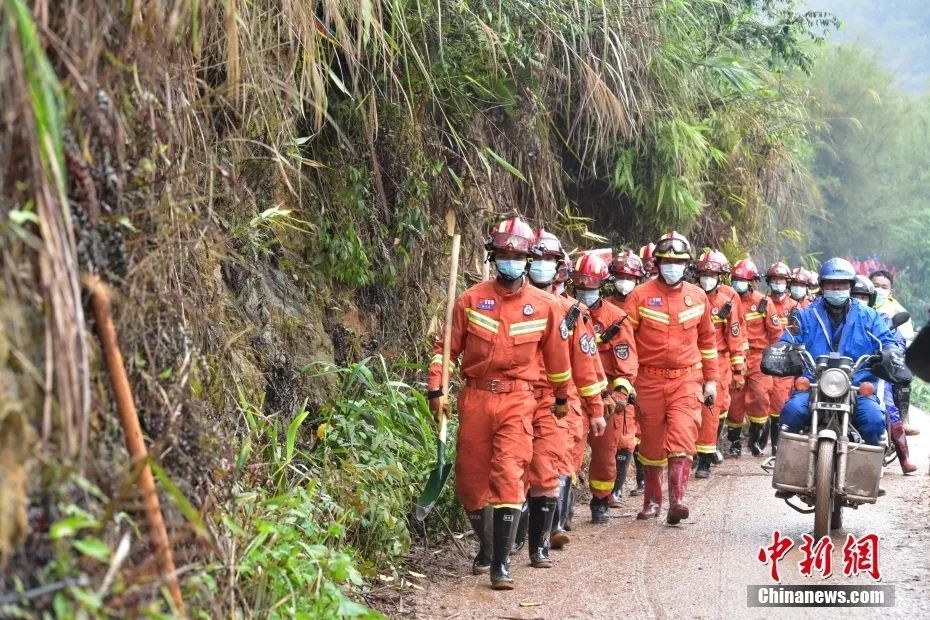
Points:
(778, 288)
(740, 286)
(543, 271)
(799, 292)
(624, 286)
(672, 273)
(709, 283)
(588, 297)
(881, 296)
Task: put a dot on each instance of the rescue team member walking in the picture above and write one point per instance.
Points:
(762, 329)
(677, 351)
(551, 469)
(499, 328)
(799, 286)
(726, 310)
(627, 271)
(616, 347)
(777, 277)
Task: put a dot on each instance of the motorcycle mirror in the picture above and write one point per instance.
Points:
(794, 325)
(900, 319)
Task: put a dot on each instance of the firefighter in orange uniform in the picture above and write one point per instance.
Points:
(551, 469)
(799, 287)
(726, 311)
(616, 347)
(499, 328)
(677, 350)
(762, 328)
(649, 262)
(777, 277)
(627, 271)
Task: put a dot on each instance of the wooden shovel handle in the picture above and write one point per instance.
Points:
(447, 328)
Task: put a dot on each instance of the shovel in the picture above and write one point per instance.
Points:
(439, 475)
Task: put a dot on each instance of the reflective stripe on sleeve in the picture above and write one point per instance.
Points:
(559, 377)
(708, 354)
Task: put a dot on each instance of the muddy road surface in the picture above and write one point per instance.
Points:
(701, 568)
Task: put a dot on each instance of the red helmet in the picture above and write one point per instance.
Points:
(801, 276)
(565, 269)
(778, 270)
(512, 235)
(714, 261)
(673, 245)
(745, 270)
(627, 264)
(590, 272)
(649, 263)
(547, 246)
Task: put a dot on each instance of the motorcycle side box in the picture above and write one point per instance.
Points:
(864, 466)
(794, 466)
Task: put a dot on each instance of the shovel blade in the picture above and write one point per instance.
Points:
(435, 483)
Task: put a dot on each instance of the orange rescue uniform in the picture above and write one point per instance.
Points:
(677, 349)
(499, 334)
(617, 353)
(628, 429)
(726, 311)
(762, 329)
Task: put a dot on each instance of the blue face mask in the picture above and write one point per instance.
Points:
(799, 292)
(740, 286)
(836, 298)
(587, 297)
(672, 273)
(511, 269)
(542, 271)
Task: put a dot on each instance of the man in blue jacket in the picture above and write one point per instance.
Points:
(836, 323)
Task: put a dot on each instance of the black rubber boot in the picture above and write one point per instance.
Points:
(703, 467)
(735, 436)
(570, 510)
(506, 521)
(520, 540)
(600, 511)
(775, 432)
(542, 510)
(755, 436)
(640, 477)
(558, 535)
(482, 521)
(623, 464)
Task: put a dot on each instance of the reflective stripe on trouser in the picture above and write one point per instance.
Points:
(494, 447)
(625, 429)
(710, 416)
(603, 468)
(781, 391)
(669, 416)
(753, 400)
(548, 445)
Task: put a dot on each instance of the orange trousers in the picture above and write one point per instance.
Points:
(494, 447)
(625, 428)
(711, 416)
(754, 399)
(574, 441)
(669, 416)
(781, 391)
(603, 467)
(549, 438)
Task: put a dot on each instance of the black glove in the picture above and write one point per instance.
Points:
(891, 366)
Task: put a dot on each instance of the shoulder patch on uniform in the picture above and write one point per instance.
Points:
(588, 344)
(528, 309)
(654, 302)
(622, 351)
(563, 330)
(486, 304)
(734, 329)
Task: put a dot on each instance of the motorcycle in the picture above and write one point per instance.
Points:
(830, 467)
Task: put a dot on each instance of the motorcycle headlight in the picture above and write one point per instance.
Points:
(833, 383)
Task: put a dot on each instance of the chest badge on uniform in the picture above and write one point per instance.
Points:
(753, 307)
(622, 351)
(655, 302)
(688, 301)
(486, 304)
(598, 328)
(528, 310)
(715, 311)
(776, 320)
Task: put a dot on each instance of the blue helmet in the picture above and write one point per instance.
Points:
(837, 270)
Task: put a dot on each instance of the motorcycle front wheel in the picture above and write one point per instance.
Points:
(823, 484)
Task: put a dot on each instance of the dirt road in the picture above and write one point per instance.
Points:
(701, 568)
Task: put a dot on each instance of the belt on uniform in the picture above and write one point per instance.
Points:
(500, 386)
(668, 373)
